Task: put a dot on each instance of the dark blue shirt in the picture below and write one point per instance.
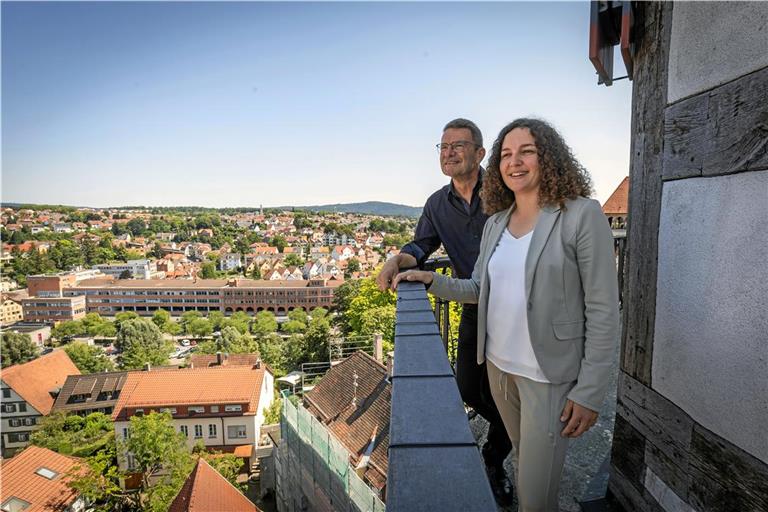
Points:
(448, 219)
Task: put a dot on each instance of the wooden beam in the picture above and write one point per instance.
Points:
(723, 131)
(649, 97)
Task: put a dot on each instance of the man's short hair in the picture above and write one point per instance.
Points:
(477, 136)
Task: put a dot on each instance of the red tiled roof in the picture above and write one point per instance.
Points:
(331, 401)
(618, 203)
(34, 380)
(192, 386)
(18, 479)
(206, 490)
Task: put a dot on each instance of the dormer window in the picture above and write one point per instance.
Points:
(139, 412)
(196, 409)
(233, 408)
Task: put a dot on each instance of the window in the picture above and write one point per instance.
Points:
(233, 408)
(23, 407)
(47, 473)
(9, 408)
(14, 422)
(236, 432)
(131, 461)
(126, 433)
(171, 410)
(214, 408)
(139, 412)
(196, 410)
(29, 421)
(184, 430)
(18, 438)
(14, 504)
(198, 431)
(211, 430)
(6, 392)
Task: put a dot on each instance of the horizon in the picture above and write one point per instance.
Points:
(285, 103)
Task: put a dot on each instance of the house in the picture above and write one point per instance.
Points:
(221, 406)
(62, 228)
(29, 392)
(230, 261)
(351, 406)
(95, 392)
(10, 310)
(616, 208)
(37, 479)
(342, 252)
(38, 333)
(206, 490)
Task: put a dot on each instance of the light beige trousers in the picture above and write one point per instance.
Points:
(531, 413)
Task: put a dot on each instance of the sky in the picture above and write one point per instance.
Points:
(256, 103)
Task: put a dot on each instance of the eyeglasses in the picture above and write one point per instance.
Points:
(459, 146)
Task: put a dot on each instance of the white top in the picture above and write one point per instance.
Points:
(508, 345)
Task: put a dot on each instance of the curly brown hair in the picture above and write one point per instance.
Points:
(562, 176)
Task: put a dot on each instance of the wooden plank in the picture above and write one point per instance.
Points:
(676, 477)
(722, 131)
(649, 97)
(725, 477)
(629, 497)
(627, 452)
(657, 419)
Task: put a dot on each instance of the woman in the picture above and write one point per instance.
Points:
(546, 288)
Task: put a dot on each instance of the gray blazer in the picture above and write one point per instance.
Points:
(573, 303)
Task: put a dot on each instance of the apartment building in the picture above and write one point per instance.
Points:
(221, 406)
(53, 309)
(95, 392)
(137, 269)
(10, 310)
(205, 295)
(28, 392)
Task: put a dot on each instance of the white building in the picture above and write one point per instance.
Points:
(221, 406)
(139, 269)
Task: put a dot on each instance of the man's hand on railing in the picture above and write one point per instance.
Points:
(392, 267)
(413, 275)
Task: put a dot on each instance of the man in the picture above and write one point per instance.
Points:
(453, 217)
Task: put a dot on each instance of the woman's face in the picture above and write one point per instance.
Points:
(519, 163)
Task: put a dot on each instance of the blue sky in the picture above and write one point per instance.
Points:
(242, 104)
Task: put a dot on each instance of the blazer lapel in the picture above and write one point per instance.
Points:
(544, 225)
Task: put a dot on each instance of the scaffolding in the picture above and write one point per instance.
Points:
(312, 468)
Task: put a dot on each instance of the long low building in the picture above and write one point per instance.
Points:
(108, 297)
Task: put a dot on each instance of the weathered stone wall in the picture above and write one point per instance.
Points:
(693, 390)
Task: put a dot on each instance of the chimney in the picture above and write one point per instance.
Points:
(378, 347)
(147, 367)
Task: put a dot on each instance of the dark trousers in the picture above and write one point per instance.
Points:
(472, 380)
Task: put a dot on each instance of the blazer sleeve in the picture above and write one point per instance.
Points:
(597, 268)
(464, 290)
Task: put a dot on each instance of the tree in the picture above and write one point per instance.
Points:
(88, 359)
(264, 323)
(272, 351)
(123, 316)
(199, 327)
(125, 274)
(161, 317)
(136, 226)
(239, 320)
(161, 456)
(17, 348)
(279, 242)
(208, 270)
(342, 300)
(69, 329)
(353, 265)
(141, 343)
(98, 481)
(227, 464)
(293, 260)
(316, 341)
(95, 325)
(216, 318)
(256, 272)
(297, 321)
(74, 435)
(272, 414)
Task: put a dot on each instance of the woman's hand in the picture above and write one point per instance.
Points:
(412, 275)
(579, 419)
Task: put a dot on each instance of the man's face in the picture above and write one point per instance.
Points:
(460, 156)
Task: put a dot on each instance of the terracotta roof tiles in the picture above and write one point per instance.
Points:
(34, 380)
(189, 386)
(618, 202)
(206, 490)
(19, 479)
